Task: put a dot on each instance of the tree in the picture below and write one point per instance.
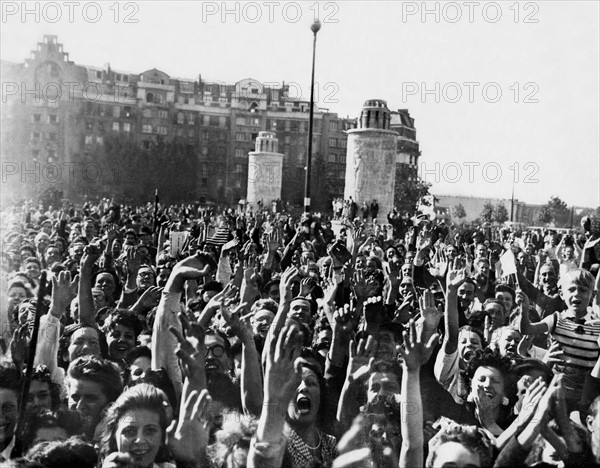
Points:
(487, 213)
(459, 212)
(409, 190)
(500, 213)
(555, 211)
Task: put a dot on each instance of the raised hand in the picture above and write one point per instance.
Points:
(192, 267)
(456, 278)
(430, 313)
(233, 319)
(285, 285)
(554, 355)
(533, 395)
(150, 298)
(91, 253)
(307, 286)
(522, 301)
(191, 351)
(230, 245)
(415, 352)
(283, 372)
(344, 320)
(362, 358)
(133, 261)
(187, 438)
(359, 285)
(63, 290)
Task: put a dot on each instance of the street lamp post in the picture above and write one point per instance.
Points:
(315, 27)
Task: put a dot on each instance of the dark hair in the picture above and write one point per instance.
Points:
(116, 279)
(137, 352)
(477, 331)
(65, 342)
(70, 452)
(160, 379)
(100, 371)
(216, 332)
(122, 317)
(470, 437)
(68, 420)
(266, 304)
(488, 358)
(143, 396)
(505, 288)
(42, 374)
(10, 378)
(33, 260)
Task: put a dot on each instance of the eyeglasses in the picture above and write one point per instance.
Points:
(216, 350)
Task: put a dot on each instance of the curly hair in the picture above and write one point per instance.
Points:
(487, 358)
(472, 438)
(237, 430)
(142, 396)
(42, 374)
(70, 452)
(68, 420)
(100, 371)
(122, 317)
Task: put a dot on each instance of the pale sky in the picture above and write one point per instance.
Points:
(544, 55)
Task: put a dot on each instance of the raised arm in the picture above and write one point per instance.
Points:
(84, 294)
(415, 354)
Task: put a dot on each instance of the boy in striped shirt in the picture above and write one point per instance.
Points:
(575, 330)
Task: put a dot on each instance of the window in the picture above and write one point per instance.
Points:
(256, 121)
(222, 122)
(52, 136)
(180, 118)
(240, 136)
(239, 152)
(161, 130)
(214, 121)
(206, 120)
(332, 158)
(205, 151)
(100, 140)
(343, 158)
(146, 144)
(52, 119)
(146, 128)
(37, 118)
(240, 120)
(163, 114)
(98, 74)
(286, 139)
(288, 125)
(149, 97)
(88, 140)
(333, 126)
(333, 142)
(127, 127)
(115, 126)
(89, 125)
(191, 119)
(343, 143)
(51, 155)
(147, 113)
(301, 127)
(127, 111)
(238, 168)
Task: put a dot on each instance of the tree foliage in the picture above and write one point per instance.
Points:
(500, 213)
(408, 191)
(487, 213)
(555, 211)
(459, 212)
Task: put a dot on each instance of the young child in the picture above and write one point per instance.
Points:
(575, 330)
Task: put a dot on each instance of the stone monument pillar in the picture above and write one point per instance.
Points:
(265, 165)
(371, 159)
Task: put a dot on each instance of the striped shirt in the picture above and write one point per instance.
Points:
(577, 338)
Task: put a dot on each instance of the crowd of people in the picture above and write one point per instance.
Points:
(161, 336)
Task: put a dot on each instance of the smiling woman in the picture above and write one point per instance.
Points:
(136, 426)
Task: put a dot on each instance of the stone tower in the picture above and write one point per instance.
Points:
(371, 158)
(264, 172)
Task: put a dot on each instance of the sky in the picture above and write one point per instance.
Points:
(504, 94)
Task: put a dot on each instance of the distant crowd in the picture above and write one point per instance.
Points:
(179, 335)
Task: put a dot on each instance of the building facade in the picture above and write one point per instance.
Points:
(91, 132)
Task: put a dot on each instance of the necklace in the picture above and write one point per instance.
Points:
(318, 445)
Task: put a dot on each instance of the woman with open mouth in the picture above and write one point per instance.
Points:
(135, 429)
